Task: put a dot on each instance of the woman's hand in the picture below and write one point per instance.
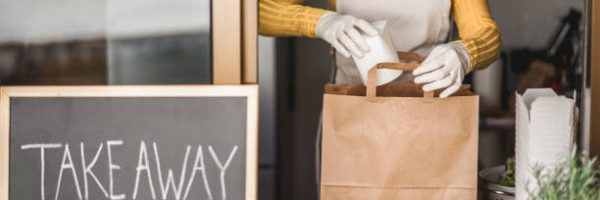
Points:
(445, 67)
(345, 33)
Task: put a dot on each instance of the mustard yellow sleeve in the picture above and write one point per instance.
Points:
(478, 32)
(287, 18)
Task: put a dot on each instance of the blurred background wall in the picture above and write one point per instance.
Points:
(530, 23)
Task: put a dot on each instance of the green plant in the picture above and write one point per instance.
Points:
(508, 177)
(575, 179)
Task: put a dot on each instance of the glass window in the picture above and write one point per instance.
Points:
(105, 42)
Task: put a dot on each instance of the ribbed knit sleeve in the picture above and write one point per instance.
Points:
(478, 32)
(287, 18)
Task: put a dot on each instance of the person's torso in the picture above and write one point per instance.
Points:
(414, 25)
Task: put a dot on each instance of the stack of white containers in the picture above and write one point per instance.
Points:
(544, 134)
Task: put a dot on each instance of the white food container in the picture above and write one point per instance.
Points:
(382, 51)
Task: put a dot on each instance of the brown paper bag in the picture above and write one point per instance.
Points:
(396, 142)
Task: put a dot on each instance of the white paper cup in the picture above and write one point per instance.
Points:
(382, 51)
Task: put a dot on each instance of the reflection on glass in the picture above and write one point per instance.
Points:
(52, 42)
(158, 41)
(105, 42)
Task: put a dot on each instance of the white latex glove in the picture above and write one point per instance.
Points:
(445, 67)
(345, 33)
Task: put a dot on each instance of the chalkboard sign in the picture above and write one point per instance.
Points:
(128, 142)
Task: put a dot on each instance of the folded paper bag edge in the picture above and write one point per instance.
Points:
(346, 185)
(394, 89)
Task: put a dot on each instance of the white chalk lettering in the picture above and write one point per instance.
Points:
(67, 163)
(175, 185)
(112, 167)
(199, 160)
(42, 148)
(170, 179)
(87, 170)
(223, 168)
(143, 165)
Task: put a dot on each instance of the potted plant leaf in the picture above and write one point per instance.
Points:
(577, 178)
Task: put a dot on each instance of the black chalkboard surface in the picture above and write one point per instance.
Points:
(128, 142)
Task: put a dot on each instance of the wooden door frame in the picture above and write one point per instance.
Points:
(234, 41)
(250, 42)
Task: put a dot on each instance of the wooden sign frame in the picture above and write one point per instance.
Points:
(248, 91)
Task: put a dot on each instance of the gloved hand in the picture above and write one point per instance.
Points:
(445, 67)
(343, 32)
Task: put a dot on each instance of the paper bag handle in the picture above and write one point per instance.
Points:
(372, 73)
